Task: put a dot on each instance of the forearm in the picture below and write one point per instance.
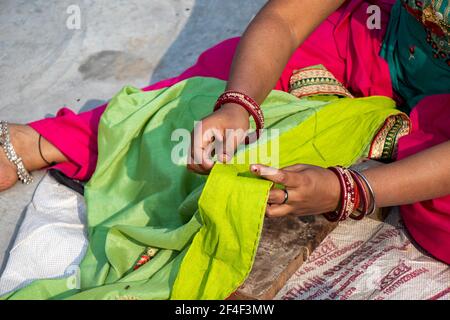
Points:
(270, 40)
(423, 176)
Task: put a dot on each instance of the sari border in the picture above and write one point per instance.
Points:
(316, 80)
(385, 143)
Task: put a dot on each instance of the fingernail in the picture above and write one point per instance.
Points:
(254, 168)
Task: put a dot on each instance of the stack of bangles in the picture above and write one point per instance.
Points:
(247, 103)
(357, 198)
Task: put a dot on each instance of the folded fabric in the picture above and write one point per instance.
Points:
(205, 235)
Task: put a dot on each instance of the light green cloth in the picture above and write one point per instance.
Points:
(207, 235)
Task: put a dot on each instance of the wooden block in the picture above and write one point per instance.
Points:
(285, 245)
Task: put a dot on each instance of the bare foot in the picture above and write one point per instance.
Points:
(25, 142)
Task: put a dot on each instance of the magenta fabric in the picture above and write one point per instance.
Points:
(429, 221)
(343, 44)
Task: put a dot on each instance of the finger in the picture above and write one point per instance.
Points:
(219, 144)
(195, 167)
(196, 149)
(208, 155)
(202, 149)
(276, 196)
(214, 136)
(191, 164)
(199, 141)
(297, 167)
(232, 139)
(228, 147)
(275, 175)
(210, 151)
(276, 211)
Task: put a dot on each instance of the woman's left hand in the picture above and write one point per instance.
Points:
(311, 190)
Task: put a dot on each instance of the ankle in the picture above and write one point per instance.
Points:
(21, 143)
(25, 141)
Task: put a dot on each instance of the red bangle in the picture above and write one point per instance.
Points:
(361, 196)
(368, 193)
(350, 206)
(246, 102)
(337, 215)
(348, 200)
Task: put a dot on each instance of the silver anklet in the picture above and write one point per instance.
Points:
(11, 154)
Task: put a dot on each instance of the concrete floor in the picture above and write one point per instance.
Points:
(44, 65)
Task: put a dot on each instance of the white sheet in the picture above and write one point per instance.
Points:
(51, 241)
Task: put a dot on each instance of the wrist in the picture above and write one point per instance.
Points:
(236, 109)
(334, 192)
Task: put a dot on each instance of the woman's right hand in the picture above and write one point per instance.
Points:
(219, 133)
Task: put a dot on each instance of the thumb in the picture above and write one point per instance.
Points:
(297, 167)
(273, 174)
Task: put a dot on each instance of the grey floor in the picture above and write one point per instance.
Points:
(44, 65)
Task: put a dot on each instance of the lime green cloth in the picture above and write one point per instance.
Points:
(207, 234)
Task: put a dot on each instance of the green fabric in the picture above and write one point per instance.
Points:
(222, 252)
(423, 73)
(207, 234)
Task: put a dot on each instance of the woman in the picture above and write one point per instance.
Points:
(287, 35)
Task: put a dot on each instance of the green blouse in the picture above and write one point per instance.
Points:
(416, 47)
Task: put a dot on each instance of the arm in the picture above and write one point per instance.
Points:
(315, 190)
(270, 40)
(422, 176)
(263, 52)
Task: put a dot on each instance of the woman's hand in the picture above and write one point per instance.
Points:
(220, 133)
(311, 190)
